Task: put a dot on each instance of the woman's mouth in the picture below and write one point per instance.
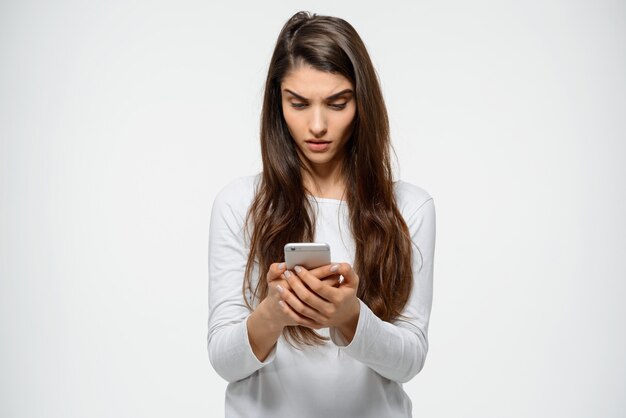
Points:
(318, 146)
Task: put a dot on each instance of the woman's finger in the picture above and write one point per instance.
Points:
(296, 318)
(329, 293)
(296, 304)
(332, 270)
(275, 270)
(276, 284)
(333, 280)
(323, 271)
(349, 275)
(307, 295)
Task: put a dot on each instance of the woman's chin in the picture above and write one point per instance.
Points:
(319, 160)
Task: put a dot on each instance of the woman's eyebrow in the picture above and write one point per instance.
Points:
(334, 96)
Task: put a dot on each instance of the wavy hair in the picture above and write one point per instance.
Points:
(280, 211)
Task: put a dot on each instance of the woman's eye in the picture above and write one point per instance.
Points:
(338, 106)
(298, 105)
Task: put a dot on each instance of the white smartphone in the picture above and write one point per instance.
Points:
(309, 255)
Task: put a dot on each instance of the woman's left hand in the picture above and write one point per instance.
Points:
(312, 296)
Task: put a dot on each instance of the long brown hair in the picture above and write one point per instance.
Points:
(281, 213)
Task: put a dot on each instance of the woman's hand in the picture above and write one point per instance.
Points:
(266, 323)
(312, 294)
(276, 308)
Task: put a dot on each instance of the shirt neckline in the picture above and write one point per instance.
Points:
(327, 199)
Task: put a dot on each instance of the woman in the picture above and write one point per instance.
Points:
(339, 340)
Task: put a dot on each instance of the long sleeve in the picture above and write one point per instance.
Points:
(397, 351)
(228, 345)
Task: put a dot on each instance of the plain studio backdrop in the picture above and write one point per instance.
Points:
(120, 121)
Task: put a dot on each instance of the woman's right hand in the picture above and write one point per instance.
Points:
(281, 312)
(272, 315)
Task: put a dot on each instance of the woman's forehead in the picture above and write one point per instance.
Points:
(310, 83)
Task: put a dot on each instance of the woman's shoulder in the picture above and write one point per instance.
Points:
(410, 197)
(239, 192)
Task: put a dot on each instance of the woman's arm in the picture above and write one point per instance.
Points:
(228, 341)
(398, 350)
(239, 341)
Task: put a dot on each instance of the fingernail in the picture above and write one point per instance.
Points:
(281, 303)
(287, 274)
(279, 288)
(281, 266)
(334, 268)
(297, 269)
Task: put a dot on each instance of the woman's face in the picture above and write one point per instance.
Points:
(319, 108)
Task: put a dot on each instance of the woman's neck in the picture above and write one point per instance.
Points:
(324, 181)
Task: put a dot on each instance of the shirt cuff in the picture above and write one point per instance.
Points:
(253, 358)
(340, 341)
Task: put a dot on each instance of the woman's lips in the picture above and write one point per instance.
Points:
(318, 146)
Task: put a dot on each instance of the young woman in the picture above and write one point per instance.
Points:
(338, 340)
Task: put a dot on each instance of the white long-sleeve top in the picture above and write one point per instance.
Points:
(362, 378)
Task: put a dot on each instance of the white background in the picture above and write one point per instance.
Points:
(120, 121)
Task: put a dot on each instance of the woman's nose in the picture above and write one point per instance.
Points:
(317, 124)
